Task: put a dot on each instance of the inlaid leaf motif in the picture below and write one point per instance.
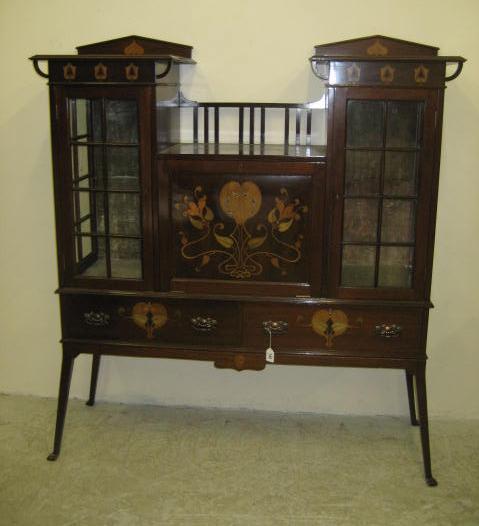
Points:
(285, 225)
(196, 222)
(208, 215)
(256, 242)
(224, 241)
(205, 260)
(275, 262)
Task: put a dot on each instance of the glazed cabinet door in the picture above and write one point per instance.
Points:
(242, 227)
(382, 171)
(103, 143)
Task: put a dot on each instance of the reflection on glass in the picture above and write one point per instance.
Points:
(84, 204)
(400, 173)
(358, 264)
(89, 207)
(397, 221)
(95, 264)
(85, 226)
(365, 123)
(363, 170)
(125, 258)
(79, 115)
(123, 168)
(106, 187)
(403, 124)
(124, 213)
(360, 220)
(121, 121)
(395, 267)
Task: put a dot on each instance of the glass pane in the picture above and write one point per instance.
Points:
(84, 204)
(80, 163)
(83, 248)
(85, 226)
(87, 166)
(360, 220)
(397, 221)
(87, 245)
(124, 211)
(365, 123)
(400, 173)
(121, 121)
(395, 267)
(403, 124)
(79, 115)
(96, 131)
(90, 204)
(125, 258)
(123, 168)
(363, 170)
(85, 120)
(358, 265)
(95, 265)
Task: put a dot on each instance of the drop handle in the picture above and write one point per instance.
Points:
(96, 319)
(275, 327)
(203, 324)
(388, 330)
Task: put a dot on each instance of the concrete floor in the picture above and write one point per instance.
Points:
(143, 465)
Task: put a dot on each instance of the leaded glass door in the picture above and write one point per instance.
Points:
(382, 161)
(106, 169)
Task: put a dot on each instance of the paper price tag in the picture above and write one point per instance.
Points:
(269, 355)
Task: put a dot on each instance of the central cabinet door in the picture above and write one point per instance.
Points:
(242, 227)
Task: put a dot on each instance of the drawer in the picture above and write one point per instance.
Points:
(343, 329)
(154, 320)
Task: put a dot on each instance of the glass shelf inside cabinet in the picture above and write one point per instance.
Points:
(380, 193)
(105, 167)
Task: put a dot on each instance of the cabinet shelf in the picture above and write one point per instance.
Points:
(246, 150)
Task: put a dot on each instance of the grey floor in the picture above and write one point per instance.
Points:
(144, 465)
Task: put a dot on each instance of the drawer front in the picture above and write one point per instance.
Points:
(343, 329)
(193, 323)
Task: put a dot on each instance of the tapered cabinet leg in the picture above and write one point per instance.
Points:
(65, 380)
(95, 366)
(410, 395)
(423, 423)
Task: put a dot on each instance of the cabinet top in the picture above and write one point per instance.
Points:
(130, 59)
(134, 46)
(368, 61)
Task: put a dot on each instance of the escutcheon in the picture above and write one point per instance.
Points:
(149, 316)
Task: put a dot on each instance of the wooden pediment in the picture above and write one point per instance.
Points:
(135, 45)
(375, 46)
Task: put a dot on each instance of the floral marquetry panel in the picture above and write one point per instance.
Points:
(241, 227)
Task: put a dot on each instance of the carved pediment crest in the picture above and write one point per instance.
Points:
(134, 49)
(377, 49)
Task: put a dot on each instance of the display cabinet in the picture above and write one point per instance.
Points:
(269, 246)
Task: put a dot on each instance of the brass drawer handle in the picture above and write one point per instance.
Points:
(275, 327)
(201, 324)
(96, 319)
(388, 331)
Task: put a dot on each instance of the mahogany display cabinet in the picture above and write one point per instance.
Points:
(234, 232)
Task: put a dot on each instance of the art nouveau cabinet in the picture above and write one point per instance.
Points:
(180, 238)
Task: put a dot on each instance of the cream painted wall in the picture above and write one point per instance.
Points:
(248, 50)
